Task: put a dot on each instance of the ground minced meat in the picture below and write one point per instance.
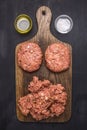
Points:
(44, 99)
(57, 57)
(29, 56)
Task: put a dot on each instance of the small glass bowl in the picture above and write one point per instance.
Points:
(63, 24)
(23, 23)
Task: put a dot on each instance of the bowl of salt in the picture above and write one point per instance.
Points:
(63, 24)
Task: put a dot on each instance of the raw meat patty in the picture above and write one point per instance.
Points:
(44, 100)
(29, 56)
(57, 57)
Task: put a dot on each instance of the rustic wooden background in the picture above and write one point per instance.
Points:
(9, 38)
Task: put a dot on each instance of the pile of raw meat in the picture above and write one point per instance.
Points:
(44, 99)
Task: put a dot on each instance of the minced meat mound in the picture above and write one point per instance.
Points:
(44, 99)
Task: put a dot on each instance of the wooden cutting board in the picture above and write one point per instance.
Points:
(43, 38)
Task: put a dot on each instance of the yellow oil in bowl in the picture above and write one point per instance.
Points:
(23, 23)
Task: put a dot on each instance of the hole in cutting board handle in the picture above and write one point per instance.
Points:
(43, 16)
(43, 12)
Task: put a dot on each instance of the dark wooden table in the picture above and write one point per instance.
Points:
(9, 38)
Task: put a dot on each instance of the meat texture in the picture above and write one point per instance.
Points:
(29, 56)
(44, 100)
(57, 57)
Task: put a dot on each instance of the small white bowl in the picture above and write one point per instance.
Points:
(63, 24)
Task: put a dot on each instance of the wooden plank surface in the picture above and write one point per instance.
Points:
(43, 38)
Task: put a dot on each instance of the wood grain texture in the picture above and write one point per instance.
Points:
(44, 38)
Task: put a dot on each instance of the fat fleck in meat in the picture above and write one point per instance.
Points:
(44, 100)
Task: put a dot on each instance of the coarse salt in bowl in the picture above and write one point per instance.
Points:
(63, 24)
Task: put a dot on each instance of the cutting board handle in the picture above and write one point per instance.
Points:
(43, 16)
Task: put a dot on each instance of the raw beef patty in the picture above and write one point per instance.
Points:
(57, 57)
(29, 56)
